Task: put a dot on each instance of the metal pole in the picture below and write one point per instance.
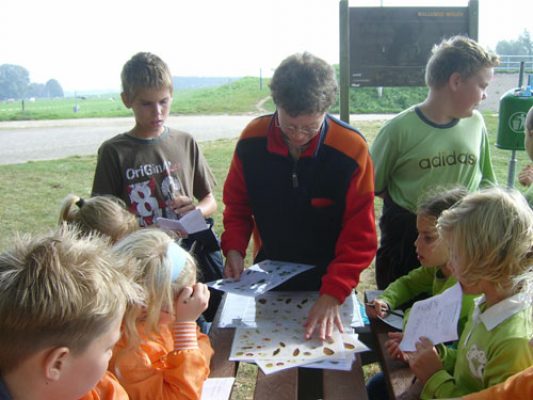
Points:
(512, 162)
(512, 169)
(473, 19)
(344, 61)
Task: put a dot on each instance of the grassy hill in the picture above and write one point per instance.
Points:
(241, 96)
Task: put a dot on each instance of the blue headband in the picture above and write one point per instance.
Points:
(177, 257)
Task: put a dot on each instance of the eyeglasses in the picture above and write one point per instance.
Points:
(309, 130)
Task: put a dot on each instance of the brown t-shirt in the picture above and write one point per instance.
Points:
(146, 173)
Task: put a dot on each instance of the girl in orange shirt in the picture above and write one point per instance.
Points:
(162, 354)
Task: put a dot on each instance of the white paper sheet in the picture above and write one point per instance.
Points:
(295, 307)
(243, 310)
(435, 318)
(232, 313)
(190, 223)
(260, 278)
(217, 388)
(342, 361)
(282, 340)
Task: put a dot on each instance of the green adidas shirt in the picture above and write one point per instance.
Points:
(412, 155)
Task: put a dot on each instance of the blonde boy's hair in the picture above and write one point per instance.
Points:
(529, 121)
(150, 267)
(58, 289)
(106, 215)
(145, 71)
(457, 54)
(492, 233)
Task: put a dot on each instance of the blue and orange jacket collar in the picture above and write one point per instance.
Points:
(276, 143)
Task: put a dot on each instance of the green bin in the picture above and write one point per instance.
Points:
(514, 106)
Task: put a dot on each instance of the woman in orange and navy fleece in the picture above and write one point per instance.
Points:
(304, 181)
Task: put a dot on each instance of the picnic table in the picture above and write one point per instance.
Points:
(290, 384)
(398, 375)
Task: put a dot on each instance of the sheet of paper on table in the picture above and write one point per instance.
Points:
(190, 223)
(217, 388)
(342, 361)
(260, 278)
(435, 318)
(242, 310)
(282, 340)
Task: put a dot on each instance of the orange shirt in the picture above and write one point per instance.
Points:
(154, 370)
(517, 387)
(107, 389)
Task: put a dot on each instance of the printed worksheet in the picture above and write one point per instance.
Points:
(435, 318)
(243, 310)
(233, 311)
(342, 361)
(217, 388)
(190, 223)
(282, 340)
(260, 278)
(295, 307)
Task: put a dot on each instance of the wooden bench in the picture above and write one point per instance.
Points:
(397, 374)
(290, 384)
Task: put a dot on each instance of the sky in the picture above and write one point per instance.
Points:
(84, 44)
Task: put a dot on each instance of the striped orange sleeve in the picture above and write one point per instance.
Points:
(184, 334)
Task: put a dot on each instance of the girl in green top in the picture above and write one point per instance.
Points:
(490, 241)
(434, 276)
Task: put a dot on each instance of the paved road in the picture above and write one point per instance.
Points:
(44, 140)
(23, 141)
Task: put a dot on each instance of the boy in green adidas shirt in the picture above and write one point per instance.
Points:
(440, 142)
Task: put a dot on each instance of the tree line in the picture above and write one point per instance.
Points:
(15, 84)
(521, 46)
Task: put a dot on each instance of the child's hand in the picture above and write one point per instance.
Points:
(191, 302)
(425, 361)
(376, 308)
(181, 204)
(393, 346)
(525, 177)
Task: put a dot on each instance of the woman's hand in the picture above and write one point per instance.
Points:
(323, 317)
(234, 265)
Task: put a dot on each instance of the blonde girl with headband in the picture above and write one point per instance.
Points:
(490, 241)
(105, 215)
(162, 354)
